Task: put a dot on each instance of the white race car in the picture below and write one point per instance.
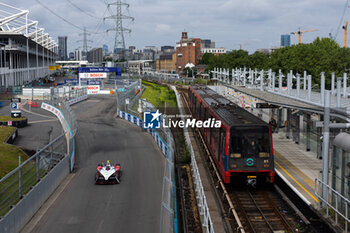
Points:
(108, 173)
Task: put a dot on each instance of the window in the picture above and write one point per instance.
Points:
(242, 139)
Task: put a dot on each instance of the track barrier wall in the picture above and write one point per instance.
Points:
(201, 198)
(165, 142)
(26, 188)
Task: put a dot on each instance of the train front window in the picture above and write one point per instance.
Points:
(250, 141)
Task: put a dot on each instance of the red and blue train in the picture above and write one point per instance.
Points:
(242, 147)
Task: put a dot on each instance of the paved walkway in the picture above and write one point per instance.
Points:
(298, 167)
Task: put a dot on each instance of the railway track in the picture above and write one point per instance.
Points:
(260, 209)
(259, 213)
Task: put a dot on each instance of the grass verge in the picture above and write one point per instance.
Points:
(9, 118)
(158, 95)
(8, 153)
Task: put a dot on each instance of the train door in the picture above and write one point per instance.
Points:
(223, 145)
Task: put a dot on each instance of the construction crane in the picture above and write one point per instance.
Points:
(345, 27)
(301, 32)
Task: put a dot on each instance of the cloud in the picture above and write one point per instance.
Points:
(162, 28)
(160, 22)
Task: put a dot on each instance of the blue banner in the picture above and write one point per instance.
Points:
(82, 82)
(116, 70)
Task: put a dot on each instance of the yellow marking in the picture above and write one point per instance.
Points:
(313, 197)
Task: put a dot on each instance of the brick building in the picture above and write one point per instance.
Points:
(188, 50)
(166, 62)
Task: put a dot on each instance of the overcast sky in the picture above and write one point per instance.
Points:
(253, 23)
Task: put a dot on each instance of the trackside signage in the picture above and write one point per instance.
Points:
(92, 75)
(93, 89)
(153, 120)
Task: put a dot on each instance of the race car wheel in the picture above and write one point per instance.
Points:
(96, 177)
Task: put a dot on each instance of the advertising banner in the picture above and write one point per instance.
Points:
(92, 75)
(93, 89)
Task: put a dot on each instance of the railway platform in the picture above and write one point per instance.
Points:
(297, 167)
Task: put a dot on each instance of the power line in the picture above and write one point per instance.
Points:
(85, 12)
(70, 23)
(341, 19)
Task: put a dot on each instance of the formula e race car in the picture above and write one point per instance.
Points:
(108, 174)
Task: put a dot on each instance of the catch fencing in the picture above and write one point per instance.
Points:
(200, 194)
(165, 77)
(164, 139)
(335, 207)
(27, 187)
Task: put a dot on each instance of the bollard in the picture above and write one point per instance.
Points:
(309, 87)
(298, 85)
(338, 91)
(273, 81)
(262, 80)
(305, 77)
(332, 83)
(279, 81)
(288, 83)
(345, 84)
(322, 88)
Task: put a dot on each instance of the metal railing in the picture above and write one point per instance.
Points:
(164, 139)
(295, 86)
(22, 179)
(335, 207)
(165, 77)
(201, 198)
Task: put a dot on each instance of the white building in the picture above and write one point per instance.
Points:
(78, 55)
(215, 51)
(139, 67)
(26, 51)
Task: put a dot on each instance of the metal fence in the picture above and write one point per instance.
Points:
(164, 77)
(201, 198)
(62, 102)
(336, 206)
(21, 180)
(27, 177)
(163, 137)
(292, 85)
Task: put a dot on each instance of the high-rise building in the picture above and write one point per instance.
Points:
(95, 55)
(105, 49)
(285, 40)
(78, 55)
(62, 48)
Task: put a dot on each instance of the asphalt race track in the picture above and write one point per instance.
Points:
(131, 206)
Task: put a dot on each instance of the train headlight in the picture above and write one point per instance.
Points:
(235, 155)
(234, 165)
(264, 155)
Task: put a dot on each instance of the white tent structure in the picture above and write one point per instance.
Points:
(189, 65)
